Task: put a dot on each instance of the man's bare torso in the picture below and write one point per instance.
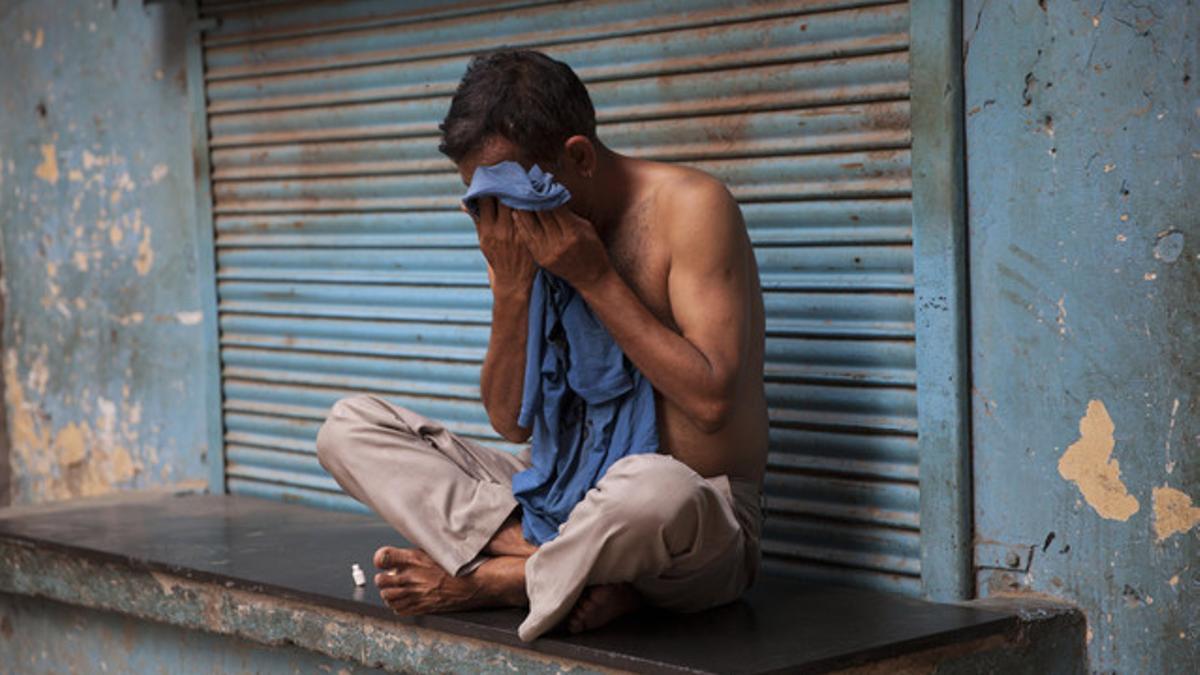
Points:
(642, 256)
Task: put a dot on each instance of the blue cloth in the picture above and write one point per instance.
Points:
(587, 404)
(516, 188)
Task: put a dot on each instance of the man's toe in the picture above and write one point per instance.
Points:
(387, 556)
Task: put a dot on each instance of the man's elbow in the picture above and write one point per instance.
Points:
(714, 414)
(513, 433)
(518, 435)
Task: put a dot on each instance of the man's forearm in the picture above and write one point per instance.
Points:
(502, 379)
(675, 367)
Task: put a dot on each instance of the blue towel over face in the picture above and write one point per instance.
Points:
(533, 190)
(587, 404)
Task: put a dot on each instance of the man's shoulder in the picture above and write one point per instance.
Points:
(689, 201)
(677, 185)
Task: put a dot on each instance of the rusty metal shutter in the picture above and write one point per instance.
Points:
(344, 266)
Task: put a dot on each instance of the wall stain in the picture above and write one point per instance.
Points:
(48, 169)
(1173, 512)
(74, 460)
(145, 254)
(189, 318)
(1088, 463)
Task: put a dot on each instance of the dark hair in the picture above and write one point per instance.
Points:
(530, 99)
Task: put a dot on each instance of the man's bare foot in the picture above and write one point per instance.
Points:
(412, 583)
(510, 540)
(601, 604)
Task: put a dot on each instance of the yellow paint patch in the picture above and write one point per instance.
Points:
(124, 182)
(1173, 512)
(1088, 462)
(91, 161)
(74, 461)
(75, 176)
(115, 233)
(81, 260)
(26, 432)
(39, 39)
(71, 446)
(121, 466)
(48, 169)
(145, 255)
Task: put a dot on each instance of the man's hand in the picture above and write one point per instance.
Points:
(509, 262)
(564, 244)
(510, 270)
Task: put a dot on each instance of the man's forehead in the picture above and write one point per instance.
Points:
(493, 150)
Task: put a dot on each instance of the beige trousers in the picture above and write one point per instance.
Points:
(685, 542)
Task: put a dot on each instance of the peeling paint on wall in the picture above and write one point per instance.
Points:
(98, 237)
(74, 459)
(189, 318)
(1170, 466)
(1088, 462)
(1173, 512)
(1112, 221)
(48, 169)
(145, 255)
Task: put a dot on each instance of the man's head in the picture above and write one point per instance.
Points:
(522, 105)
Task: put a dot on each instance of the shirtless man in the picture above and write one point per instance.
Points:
(661, 255)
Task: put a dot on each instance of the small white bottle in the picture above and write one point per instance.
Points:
(360, 579)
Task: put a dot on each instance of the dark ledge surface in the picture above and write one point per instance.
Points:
(303, 553)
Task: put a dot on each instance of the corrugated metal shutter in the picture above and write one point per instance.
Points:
(344, 265)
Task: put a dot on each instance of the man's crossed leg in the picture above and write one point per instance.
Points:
(651, 530)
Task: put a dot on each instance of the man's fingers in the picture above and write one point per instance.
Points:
(569, 221)
(503, 212)
(525, 226)
(488, 210)
(549, 223)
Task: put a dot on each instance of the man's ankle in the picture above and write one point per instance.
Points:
(503, 578)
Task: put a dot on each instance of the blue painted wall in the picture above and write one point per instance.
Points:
(42, 636)
(102, 333)
(1083, 143)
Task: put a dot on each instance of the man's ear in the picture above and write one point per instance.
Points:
(581, 155)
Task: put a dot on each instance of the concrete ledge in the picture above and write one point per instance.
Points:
(276, 574)
(32, 569)
(1050, 637)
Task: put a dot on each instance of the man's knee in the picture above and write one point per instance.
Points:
(333, 438)
(651, 493)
